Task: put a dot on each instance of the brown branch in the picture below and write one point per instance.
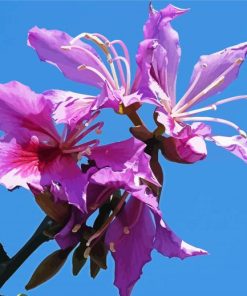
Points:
(8, 266)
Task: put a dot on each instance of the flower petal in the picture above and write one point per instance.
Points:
(218, 70)
(30, 163)
(184, 150)
(166, 56)
(169, 244)
(25, 113)
(47, 44)
(131, 234)
(18, 165)
(70, 107)
(236, 145)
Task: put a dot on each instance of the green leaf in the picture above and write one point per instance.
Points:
(94, 269)
(48, 268)
(78, 260)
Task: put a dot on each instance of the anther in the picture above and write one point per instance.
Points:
(81, 67)
(87, 252)
(66, 47)
(76, 228)
(110, 61)
(112, 247)
(239, 61)
(98, 131)
(88, 151)
(243, 133)
(126, 230)
(214, 107)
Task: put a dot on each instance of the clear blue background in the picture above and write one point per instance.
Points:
(205, 203)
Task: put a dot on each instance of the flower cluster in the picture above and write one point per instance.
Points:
(45, 148)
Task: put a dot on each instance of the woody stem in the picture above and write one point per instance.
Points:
(10, 265)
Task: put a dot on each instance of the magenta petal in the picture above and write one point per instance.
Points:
(131, 234)
(167, 55)
(128, 181)
(64, 171)
(211, 67)
(47, 44)
(70, 107)
(170, 245)
(66, 238)
(25, 113)
(128, 154)
(236, 145)
(18, 165)
(191, 150)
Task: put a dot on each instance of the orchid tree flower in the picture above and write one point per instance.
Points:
(32, 151)
(134, 227)
(80, 62)
(158, 59)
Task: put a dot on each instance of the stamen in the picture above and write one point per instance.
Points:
(104, 193)
(184, 114)
(207, 89)
(87, 252)
(231, 99)
(101, 231)
(220, 79)
(97, 126)
(218, 120)
(94, 58)
(210, 107)
(124, 47)
(115, 54)
(126, 230)
(188, 92)
(76, 228)
(112, 247)
(83, 148)
(103, 47)
(76, 132)
(85, 67)
(128, 73)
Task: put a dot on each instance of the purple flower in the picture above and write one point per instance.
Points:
(132, 237)
(32, 151)
(133, 229)
(158, 59)
(80, 62)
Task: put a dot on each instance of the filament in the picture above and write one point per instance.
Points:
(128, 74)
(104, 48)
(95, 59)
(102, 230)
(218, 120)
(219, 80)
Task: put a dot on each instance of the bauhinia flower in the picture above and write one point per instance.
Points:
(158, 59)
(80, 62)
(135, 227)
(32, 151)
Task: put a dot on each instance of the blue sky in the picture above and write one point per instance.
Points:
(204, 203)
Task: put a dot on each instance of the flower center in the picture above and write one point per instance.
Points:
(69, 140)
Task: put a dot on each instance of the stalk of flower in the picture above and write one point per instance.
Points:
(158, 59)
